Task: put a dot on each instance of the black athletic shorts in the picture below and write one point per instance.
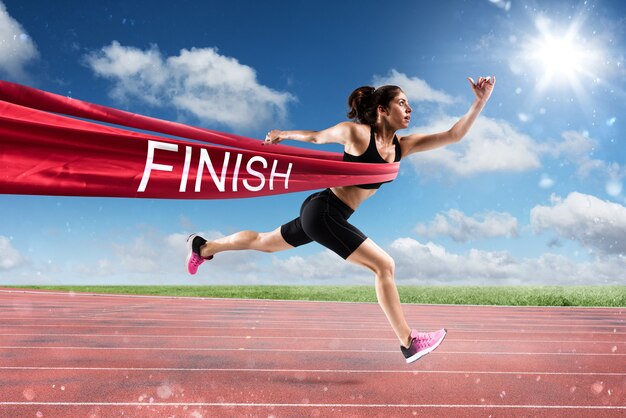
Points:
(324, 219)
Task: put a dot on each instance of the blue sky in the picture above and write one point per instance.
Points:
(534, 194)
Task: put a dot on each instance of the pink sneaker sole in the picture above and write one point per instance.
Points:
(422, 344)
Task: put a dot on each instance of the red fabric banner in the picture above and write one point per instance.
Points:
(46, 150)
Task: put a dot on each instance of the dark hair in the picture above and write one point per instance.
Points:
(364, 101)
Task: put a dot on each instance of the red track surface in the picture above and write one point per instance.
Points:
(77, 355)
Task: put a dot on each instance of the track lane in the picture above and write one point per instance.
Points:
(106, 355)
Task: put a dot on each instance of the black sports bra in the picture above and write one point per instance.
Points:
(371, 155)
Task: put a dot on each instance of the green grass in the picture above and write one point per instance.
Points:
(460, 295)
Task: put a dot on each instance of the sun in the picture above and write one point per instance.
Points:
(561, 57)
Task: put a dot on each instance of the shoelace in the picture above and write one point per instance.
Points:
(196, 260)
(423, 339)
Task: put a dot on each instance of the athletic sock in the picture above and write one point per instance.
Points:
(196, 244)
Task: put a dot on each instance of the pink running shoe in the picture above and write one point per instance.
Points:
(194, 259)
(422, 343)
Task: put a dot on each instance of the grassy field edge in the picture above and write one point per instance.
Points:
(608, 296)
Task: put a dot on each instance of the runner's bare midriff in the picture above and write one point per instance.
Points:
(352, 196)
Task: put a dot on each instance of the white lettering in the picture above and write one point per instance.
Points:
(150, 165)
(255, 173)
(183, 179)
(275, 174)
(236, 173)
(256, 167)
(220, 183)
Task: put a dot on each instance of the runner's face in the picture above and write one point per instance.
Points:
(398, 113)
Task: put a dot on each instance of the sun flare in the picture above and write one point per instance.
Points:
(561, 57)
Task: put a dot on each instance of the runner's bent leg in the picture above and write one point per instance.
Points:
(247, 240)
(376, 259)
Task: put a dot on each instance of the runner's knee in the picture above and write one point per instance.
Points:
(385, 268)
(271, 242)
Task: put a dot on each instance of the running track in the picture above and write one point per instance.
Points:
(80, 355)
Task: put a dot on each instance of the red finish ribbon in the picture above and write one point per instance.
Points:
(46, 150)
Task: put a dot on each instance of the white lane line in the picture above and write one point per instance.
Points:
(524, 327)
(262, 337)
(259, 326)
(374, 371)
(249, 305)
(256, 317)
(310, 405)
(308, 319)
(255, 313)
(290, 350)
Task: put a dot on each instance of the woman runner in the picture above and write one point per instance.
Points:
(377, 113)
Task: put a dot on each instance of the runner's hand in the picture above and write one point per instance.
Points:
(483, 87)
(273, 137)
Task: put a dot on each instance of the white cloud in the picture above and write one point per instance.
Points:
(138, 256)
(462, 228)
(10, 258)
(502, 4)
(614, 187)
(212, 87)
(324, 267)
(416, 90)
(598, 225)
(432, 263)
(496, 146)
(156, 258)
(16, 48)
(137, 73)
(162, 257)
(418, 263)
(102, 268)
(615, 174)
(546, 181)
(577, 148)
(491, 145)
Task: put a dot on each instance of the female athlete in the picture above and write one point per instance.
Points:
(377, 114)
